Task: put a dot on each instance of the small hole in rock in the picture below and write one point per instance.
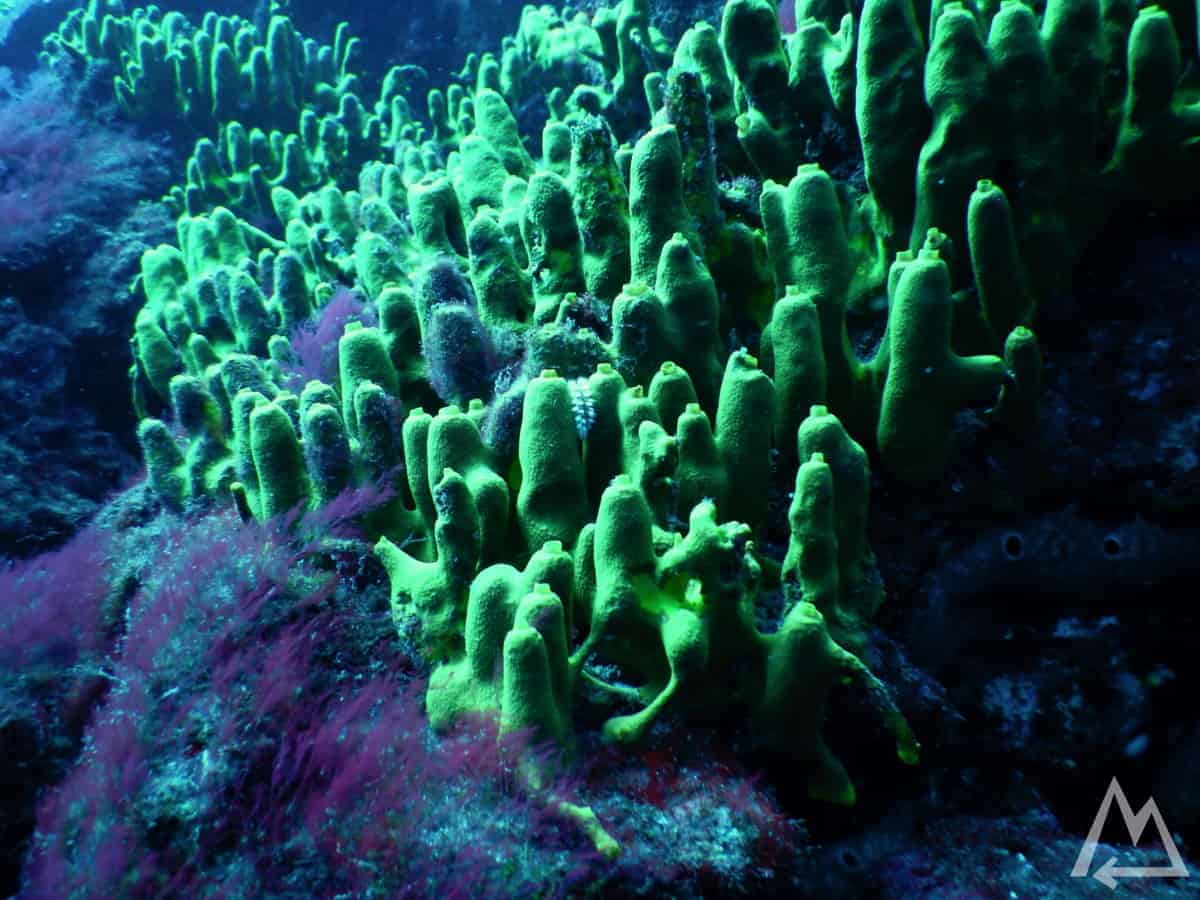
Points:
(1014, 546)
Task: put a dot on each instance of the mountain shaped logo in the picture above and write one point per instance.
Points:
(1109, 873)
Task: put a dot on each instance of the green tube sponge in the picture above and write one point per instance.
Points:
(296, 169)
(495, 122)
(553, 566)
(415, 437)
(1160, 119)
(176, 323)
(198, 241)
(890, 110)
(623, 556)
(634, 46)
(958, 151)
(301, 241)
(1073, 36)
(803, 665)
(231, 242)
(552, 241)
(436, 217)
(699, 50)
(1019, 400)
(927, 383)
(510, 216)
(204, 305)
(696, 580)
(240, 372)
(768, 150)
(459, 353)
(243, 404)
(281, 38)
(285, 204)
(480, 176)
(327, 451)
(604, 443)
(317, 392)
(201, 355)
(1154, 66)
(224, 83)
(164, 463)
(454, 443)
(155, 354)
(207, 459)
(502, 289)
(337, 216)
(600, 202)
(556, 148)
(745, 422)
(163, 275)
(401, 329)
(278, 461)
(821, 70)
(805, 234)
(252, 320)
(822, 433)
(535, 693)
(472, 684)
(363, 356)
(653, 469)
(291, 296)
(710, 567)
(685, 645)
(755, 53)
(375, 213)
(797, 359)
(552, 500)
(377, 264)
(1032, 141)
(671, 391)
(687, 109)
(472, 680)
(656, 207)
(634, 408)
(806, 239)
(701, 472)
(812, 555)
(641, 334)
(290, 404)
(689, 298)
(196, 409)
(434, 594)
(378, 443)
(1004, 295)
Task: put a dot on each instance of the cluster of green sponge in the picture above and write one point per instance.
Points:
(200, 78)
(578, 521)
(614, 606)
(273, 109)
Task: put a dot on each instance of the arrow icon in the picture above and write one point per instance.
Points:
(1109, 873)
